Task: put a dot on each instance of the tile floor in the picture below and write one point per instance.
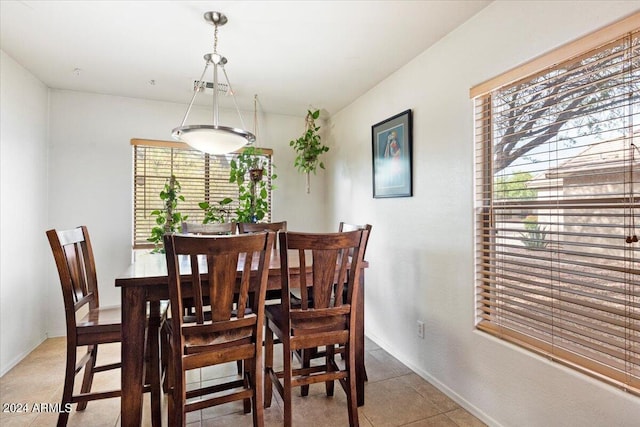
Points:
(395, 396)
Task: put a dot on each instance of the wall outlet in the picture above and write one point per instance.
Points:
(420, 329)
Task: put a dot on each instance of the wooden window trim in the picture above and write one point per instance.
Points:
(561, 54)
(564, 303)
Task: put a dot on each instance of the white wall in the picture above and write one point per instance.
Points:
(421, 248)
(23, 209)
(91, 175)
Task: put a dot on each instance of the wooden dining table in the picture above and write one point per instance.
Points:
(144, 284)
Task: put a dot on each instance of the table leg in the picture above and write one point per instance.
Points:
(133, 331)
(154, 368)
(360, 370)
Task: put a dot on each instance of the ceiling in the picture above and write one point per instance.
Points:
(293, 55)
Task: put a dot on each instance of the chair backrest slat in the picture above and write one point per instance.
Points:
(222, 283)
(197, 289)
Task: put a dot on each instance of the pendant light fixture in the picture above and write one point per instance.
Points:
(213, 138)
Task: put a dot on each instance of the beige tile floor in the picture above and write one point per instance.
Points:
(395, 396)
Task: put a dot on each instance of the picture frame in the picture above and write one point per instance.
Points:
(392, 155)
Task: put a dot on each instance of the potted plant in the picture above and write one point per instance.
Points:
(247, 171)
(309, 147)
(216, 213)
(168, 219)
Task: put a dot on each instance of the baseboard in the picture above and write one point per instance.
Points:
(475, 411)
(21, 356)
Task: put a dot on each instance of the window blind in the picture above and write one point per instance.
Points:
(203, 177)
(557, 213)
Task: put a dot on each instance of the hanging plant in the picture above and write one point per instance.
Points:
(168, 219)
(247, 171)
(309, 147)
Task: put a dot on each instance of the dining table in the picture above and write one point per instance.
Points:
(145, 283)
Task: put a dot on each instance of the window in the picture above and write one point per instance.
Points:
(203, 177)
(557, 212)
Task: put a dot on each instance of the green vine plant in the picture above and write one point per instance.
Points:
(216, 213)
(247, 172)
(309, 147)
(168, 219)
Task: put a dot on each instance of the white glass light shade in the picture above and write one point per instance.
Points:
(213, 139)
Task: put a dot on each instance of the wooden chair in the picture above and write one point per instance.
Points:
(254, 227)
(315, 353)
(225, 331)
(76, 267)
(251, 227)
(209, 229)
(328, 323)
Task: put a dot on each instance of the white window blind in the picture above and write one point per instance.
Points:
(203, 177)
(557, 190)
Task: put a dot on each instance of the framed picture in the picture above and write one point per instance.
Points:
(392, 156)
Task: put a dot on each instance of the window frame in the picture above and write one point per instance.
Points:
(489, 268)
(145, 198)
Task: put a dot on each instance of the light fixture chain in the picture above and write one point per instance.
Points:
(215, 39)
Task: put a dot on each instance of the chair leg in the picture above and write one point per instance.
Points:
(165, 356)
(366, 377)
(247, 377)
(87, 380)
(352, 400)
(288, 415)
(256, 382)
(154, 371)
(268, 366)
(306, 362)
(69, 379)
(329, 361)
(177, 396)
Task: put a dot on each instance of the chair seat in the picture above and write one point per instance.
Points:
(109, 318)
(307, 326)
(104, 318)
(105, 322)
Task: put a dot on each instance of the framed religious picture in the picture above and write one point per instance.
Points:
(392, 156)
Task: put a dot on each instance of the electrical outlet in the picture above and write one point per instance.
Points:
(420, 329)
